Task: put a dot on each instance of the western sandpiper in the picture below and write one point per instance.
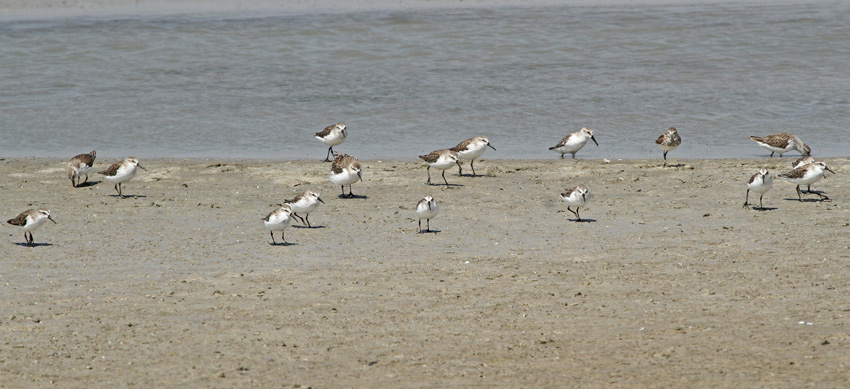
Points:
(80, 165)
(121, 172)
(573, 142)
(346, 171)
(304, 203)
(30, 220)
(759, 183)
(668, 141)
(278, 220)
(332, 135)
(440, 159)
(807, 175)
(576, 197)
(470, 150)
(427, 209)
(782, 143)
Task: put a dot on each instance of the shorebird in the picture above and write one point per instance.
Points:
(573, 142)
(668, 141)
(576, 197)
(121, 172)
(30, 220)
(440, 159)
(782, 143)
(304, 203)
(427, 209)
(346, 171)
(278, 220)
(759, 183)
(80, 165)
(469, 150)
(332, 135)
(807, 175)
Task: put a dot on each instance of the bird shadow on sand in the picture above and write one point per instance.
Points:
(24, 244)
(429, 232)
(443, 184)
(676, 165)
(764, 208)
(88, 184)
(282, 244)
(128, 196)
(810, 199)
(307, 228)
(360, 197)
(585, 220)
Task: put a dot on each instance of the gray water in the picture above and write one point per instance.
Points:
(409, 82)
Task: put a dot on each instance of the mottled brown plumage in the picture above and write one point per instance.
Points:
(80, 165)
(112, 170)
(342, 161)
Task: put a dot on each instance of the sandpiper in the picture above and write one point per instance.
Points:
(332, 135)
(80, 165)
(30, 220)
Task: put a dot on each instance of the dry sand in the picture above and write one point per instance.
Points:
(668, 284)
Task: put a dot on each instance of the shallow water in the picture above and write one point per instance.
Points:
(239, 85)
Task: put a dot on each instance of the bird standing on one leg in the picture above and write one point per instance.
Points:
(668, 141)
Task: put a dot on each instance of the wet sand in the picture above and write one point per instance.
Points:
(668, 282)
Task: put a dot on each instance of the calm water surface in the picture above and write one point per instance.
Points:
(409, 82)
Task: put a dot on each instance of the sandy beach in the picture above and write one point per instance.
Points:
(668, 283)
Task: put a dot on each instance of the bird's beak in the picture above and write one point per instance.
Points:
(830, 170)
(320, 200)
(360, 174)
(51, 219)
(491, 146)
(583, 197)
(142, 167)
(594, 140)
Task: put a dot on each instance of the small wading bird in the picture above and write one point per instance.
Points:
(470, 150)
(80, 165)
(30, 220)
(346, 171)
(332, 135)
(668, 141)
(121, 172)
(304, 203)
(427, 209)
(278, 220)
(573, 142)
(807, 175)
(576, 197)
(782, 143)
(759, 183)
(440, 159)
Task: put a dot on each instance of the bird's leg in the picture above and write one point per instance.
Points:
(799, 196)
(577, 215)
(343, 190)
(472, 165)
(459, 168)
(574, 212)
(428, 227)
(665, 159)
(328, 157)
(420, 226)
(307, 219)
(350, 193)
(771, 153)
(747, 201)
(272, 235)
(760, 197)
(562, 156)
(429, 175)
(87, 179)
(283, 238)
(444, 178)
